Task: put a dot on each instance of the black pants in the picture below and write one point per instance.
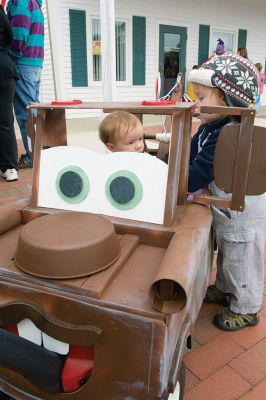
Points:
(8, 142)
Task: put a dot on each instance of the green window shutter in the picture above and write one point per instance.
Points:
(139, 50)
(78, 47)
(242, 38)
(204, 39)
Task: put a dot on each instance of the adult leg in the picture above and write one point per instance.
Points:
(27, 91)
(8, 143)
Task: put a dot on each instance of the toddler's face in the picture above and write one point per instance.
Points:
(207, 96)
(132, 141)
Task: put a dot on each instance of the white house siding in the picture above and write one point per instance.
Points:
(230, 15)
(47, 82)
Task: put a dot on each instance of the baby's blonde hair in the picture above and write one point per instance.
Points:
(115, 125)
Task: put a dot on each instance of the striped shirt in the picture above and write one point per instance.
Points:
(27, 22)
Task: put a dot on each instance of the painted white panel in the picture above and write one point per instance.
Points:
(151, 172)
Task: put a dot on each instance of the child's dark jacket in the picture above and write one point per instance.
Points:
(202, 154)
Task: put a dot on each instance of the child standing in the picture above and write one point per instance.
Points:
(122, 131)
(229, 80)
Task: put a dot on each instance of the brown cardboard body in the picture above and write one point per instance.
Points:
(137, 348)
(140, 310)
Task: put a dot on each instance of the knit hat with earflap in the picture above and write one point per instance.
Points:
(235, 76)
(220, 47)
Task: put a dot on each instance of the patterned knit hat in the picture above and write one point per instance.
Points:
(220, 47)
(236, 76)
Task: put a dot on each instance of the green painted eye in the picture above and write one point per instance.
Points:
(72, 184)
(124, 190)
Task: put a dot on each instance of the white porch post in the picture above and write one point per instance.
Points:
(54, 29)
(108, 49)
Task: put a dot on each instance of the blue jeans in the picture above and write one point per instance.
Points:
(27, 91)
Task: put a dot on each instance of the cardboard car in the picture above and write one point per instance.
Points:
(104, 270)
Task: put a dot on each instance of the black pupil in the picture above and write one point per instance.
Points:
(122, 189)
(71, 184)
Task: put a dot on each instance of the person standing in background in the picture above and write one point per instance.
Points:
(261, 85)
(8, 77)
(219, 49)
(242, 51)
(27, 51)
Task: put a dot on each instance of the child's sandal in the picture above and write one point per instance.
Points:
(230, 321)
(215, 295)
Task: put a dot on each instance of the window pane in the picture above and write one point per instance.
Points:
(120, 47)
(171, 59)
(227, 38)
(96, 50)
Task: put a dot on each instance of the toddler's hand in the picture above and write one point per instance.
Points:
(190, 197)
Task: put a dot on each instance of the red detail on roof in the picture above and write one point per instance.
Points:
(158, 102)
(66, 103)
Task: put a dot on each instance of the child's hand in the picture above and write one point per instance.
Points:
(190, 197)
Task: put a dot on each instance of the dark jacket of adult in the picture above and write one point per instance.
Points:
(7, 67)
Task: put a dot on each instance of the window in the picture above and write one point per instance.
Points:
(229, 39)
(171, 56)
(96, 50)
(120, 50)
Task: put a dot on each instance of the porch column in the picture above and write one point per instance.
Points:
(108, 49)
(54, 17)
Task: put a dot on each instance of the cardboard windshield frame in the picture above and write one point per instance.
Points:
(51, 131)
(51, 128)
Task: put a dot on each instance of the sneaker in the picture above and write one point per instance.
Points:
(230, 321)
(215, 295)
(23, 162)
(10, 175)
